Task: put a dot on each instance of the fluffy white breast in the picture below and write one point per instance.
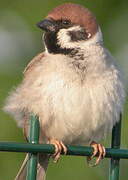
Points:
(69, 109)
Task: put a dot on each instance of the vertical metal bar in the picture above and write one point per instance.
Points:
(116, 139)
(33, 138)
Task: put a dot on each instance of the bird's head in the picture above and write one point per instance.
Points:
(69, 27)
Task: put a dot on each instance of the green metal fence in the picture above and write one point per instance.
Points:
(33, 148)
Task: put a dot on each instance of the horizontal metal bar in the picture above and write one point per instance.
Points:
(48, 148)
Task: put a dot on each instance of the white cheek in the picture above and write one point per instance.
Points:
(64, 39)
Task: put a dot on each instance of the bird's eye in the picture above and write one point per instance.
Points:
(66, 22)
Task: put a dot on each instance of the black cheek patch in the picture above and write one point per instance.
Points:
(78, 35)
(52, 45)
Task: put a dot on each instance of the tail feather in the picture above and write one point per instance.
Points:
(41, 168)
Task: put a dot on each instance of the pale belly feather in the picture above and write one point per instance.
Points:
(73, 112)
(69, 109)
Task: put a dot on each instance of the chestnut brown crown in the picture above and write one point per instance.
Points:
(77, 14)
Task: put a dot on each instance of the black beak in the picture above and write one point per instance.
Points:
(47, 25)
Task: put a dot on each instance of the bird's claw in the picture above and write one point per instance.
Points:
(98, 149)
(59, 147)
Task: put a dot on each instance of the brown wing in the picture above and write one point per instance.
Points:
(35, 61)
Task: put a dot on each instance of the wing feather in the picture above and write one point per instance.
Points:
(35, 61)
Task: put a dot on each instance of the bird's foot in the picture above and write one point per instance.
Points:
(59, 147)
(98, 149)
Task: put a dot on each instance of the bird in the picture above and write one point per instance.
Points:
(75, 86)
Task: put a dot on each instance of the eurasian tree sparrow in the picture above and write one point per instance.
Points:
(74, 86)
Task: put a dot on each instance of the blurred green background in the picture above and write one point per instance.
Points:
(20, 40)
